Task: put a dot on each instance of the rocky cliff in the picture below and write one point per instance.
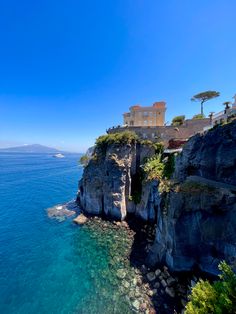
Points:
(198, 226)
(196, 218)
(111, 182)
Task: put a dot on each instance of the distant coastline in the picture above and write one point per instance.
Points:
(34, 148)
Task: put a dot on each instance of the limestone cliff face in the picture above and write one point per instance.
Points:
(196, 219)
(198, 225)
(109, 180)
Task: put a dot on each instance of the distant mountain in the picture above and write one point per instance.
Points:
(34, 148)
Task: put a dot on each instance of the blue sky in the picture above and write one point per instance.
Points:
(69, 69)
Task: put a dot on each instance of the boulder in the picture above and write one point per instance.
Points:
(158, 272)
(163, 283)
(170, 292)
(136, 305)
(151, 276)
(170, 281)
(80, 219)
(121, 273)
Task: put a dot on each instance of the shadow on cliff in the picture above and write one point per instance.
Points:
(144, 237)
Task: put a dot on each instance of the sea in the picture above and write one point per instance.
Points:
(48, 265)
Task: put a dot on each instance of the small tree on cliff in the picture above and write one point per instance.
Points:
(205, 96)
(179, 120)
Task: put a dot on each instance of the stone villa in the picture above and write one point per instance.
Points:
(149, 123)
(146, 116)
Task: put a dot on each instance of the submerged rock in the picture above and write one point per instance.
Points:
(136, 305)
(121, 273)
(62, 211)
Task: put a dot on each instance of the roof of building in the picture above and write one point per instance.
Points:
(156, 105)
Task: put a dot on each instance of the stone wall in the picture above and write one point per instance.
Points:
(166, 133)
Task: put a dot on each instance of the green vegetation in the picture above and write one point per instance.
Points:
(159, 168)
(126, 137)
(84, 160)
(177, 121)
(198, 116)
(159, 147)
(205, 96)
(154, 168)
(219, 297)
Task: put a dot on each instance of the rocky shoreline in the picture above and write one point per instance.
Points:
(142, 288)
(146, 290)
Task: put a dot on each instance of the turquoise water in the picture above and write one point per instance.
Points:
(47, 266)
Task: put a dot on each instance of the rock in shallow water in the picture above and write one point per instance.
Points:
(136, 305)
(121, 273)
(81, 219)
(62, 212)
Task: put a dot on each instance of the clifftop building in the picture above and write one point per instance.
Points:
(146, 116)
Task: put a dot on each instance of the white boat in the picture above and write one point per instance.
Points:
(58, 155)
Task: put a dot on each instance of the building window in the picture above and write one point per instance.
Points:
(145, 122)
(153, 135)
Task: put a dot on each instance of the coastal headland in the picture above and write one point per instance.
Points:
(188, 200)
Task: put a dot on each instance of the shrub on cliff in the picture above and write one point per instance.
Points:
(179, 120)
(122, 138)
(198, 116)
(219, 297)
(154, 168)
(159, 168)
(158, 146)
(84, 160)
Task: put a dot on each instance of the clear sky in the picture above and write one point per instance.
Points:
(69, 69)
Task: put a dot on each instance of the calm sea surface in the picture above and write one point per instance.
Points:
(47, 266)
